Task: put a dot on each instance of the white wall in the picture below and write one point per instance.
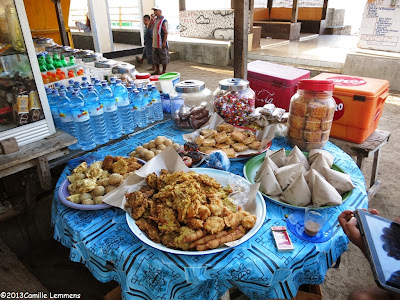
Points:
(353, 14)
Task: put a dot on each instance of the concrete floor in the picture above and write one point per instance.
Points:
(326, 51)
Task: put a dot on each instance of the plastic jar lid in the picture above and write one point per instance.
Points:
(106, 64)
(91, 57)
(143, 76)
(190, 86)
(316, 85)
(153, 77)
(41, 41)
(123, 69)
(234, 84)
(82, 53)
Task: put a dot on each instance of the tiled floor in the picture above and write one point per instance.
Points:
(312, 50)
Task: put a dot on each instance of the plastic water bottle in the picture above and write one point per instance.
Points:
(149, 106)
(157, 104)
(71, 82)
(78, 91)
(53, 98)
(139, 109)
(84, 88)
(97, 86)
(84, 79)
(96, 113)
(56, 85)
(124, 108)
(110, 112)
(77, 85)
(67, 120)
(81, 117)
(70, 90)
(113, 82)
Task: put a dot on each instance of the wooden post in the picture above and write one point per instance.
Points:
(241, 36)
(251, 8)
(61, 24)
(269, 5)
(295, 11)
(324, 9)
(182, 5)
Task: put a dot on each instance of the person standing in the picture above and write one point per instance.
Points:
(160, 44)
(148, 44)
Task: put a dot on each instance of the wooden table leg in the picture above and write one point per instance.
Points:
(43, 170)
(360, 162)
(375, 167)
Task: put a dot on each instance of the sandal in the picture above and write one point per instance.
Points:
(139, 60)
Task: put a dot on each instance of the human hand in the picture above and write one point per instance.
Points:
(349, 225)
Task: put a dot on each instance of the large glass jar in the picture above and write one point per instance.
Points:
(311, 113)
(125, 72)
(191, 104)
(234, 100)
(42, 43)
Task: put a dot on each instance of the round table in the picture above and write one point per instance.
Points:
(102, 240)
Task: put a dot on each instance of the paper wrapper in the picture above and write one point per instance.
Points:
(264, 136)
(171, 161)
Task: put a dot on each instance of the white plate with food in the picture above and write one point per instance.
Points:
(224, 178)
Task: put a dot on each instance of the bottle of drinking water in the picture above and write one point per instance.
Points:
(84, 79)
(71, 82)
(56, 85)
(96, 114)
(124, 107)
(139, 109)
(78, 91)
(97, 86)
(113, 82)
(77, 85)
(53, 98)
(67, 121)
(149, 105)
(84, 88)
(70, 90)
(81, 117)
(157, 104)
(110, 112)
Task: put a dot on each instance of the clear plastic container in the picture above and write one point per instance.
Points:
(80, 54)
(142, 79)
(42, 43)
(234, 100)
(311, 114)
(90, 59)
(191, 105)
(154, 80)
(125, 72)
(106, 66)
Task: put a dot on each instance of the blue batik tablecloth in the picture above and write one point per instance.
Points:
(102, 240)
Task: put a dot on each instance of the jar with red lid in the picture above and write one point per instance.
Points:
(311, 113)
(142, 79)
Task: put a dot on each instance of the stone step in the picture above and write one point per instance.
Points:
(338, 30)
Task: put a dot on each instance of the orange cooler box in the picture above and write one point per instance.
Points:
(359, 105)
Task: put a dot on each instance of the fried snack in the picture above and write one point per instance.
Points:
(208, 133)
(221, 137)
(251, 138)
(115, 179)
(86, 185)
(181, 209)
(255, 145)
(75, 198)
(225, 127)
(312, 123)
(295, 133)
(222, 146)
(238, 136)
(120, 167)
(317, 110)
(296, 121)
(326, 125)
(229, 152)
(298, 108)
(81, 168)
(209, 142)
(233, 235)
(239, 147)
(75, 177)
(107, 162)
(313, 136)
(249, 222)
(200, 139)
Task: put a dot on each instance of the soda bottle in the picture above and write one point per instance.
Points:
(82, 121)
(96, 113)
(110, 112)
(139, 108)
(124, 107)
(67, 121)
(157, 104)
(71, 61)
(63, 61)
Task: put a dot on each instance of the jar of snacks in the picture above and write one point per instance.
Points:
(190, 105)
(125, 72)
(142, 79)
(311, 114)
(234, 100)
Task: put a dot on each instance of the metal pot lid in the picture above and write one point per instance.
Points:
(190, 86)
(106, 64)
(42, 41)
(234, 84)
(91, 57)
(82, 53)
(123, 69)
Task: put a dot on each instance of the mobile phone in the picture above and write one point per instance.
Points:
(382, 241)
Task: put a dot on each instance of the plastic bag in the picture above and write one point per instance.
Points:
(218, 160)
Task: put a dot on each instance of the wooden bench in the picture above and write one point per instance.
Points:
(371, 146)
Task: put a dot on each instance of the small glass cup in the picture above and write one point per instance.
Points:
(314, 220)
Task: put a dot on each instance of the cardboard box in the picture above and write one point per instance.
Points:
(273, 83)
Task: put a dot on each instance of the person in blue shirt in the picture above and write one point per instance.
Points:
(148, 44)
